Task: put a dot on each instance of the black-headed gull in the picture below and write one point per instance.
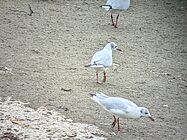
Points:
(120, 107)
(102, 59)
(116, 5)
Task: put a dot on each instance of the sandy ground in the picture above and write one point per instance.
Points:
(43, 54)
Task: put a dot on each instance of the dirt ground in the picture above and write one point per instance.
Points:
(42, 60)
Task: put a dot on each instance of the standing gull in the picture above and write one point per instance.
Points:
(120, 107)
(116, 6)
(102, 59)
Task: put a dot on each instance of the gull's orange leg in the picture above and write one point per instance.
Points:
(116, 21)
(112, 19)
(104, 78)
(114, 122)
(118, 124)
(97, 77)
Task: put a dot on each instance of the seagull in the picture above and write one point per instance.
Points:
(102, 60)
(116, 6)
(120, 107)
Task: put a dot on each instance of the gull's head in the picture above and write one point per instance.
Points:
(113, 46)
(144, 112)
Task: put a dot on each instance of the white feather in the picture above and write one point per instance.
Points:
(106, 7)
(119, 4)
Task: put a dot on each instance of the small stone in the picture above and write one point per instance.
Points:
(71, 134)
(165, 105)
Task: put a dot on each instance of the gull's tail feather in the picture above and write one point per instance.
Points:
(94, 66)
(106, 7)
(89, 65)
(95, 98)
(98, 96)
(101, 95)
(92, 94)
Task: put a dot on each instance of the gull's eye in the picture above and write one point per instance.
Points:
(146, 113)
(141, 111)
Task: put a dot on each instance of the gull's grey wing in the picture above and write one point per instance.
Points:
(119, 4)
(116, 103)
(102, 58)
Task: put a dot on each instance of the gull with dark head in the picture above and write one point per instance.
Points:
(120, 107)
(102, 59)
(115, 6)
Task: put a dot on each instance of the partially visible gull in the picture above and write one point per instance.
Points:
(115, 6)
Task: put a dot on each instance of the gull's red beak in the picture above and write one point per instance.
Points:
(119, 50)
(151, 118)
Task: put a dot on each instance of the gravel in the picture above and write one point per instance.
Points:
(18, 122)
